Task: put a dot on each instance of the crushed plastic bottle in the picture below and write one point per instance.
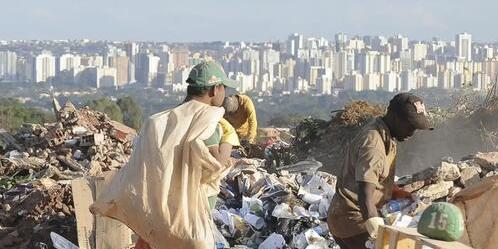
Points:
(394, 206)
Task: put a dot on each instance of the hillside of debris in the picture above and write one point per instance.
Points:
(37, 164)
(277, 194)
(465, 133)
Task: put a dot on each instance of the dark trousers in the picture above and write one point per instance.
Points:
(355, 242)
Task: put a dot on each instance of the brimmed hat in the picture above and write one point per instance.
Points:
(411, 107)
(209, 73)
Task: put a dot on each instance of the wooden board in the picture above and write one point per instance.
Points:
(96, 232)
(83, 196)
(408, 238)
(110, 234)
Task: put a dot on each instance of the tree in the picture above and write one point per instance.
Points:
(108, 107)
(132, 113)
(13, 114)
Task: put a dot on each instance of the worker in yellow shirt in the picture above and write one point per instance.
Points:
(240, 112)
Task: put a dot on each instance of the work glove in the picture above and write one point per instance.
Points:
(372, 225)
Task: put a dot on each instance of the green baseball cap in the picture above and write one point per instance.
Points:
(209, 73)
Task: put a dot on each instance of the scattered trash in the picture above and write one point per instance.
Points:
(275, 241)
(61, 243)
(273, 201)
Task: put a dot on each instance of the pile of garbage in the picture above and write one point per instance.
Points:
(438, 184)
(278, 201)
(286, 209)
(37, 164)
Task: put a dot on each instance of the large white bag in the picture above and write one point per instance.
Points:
(161, 193)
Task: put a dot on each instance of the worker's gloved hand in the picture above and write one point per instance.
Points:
(372, 226)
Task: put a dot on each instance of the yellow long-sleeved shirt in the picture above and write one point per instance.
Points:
(244, 119)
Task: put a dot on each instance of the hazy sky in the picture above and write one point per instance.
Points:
(249, 20)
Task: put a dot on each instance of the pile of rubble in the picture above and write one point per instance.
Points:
(37, 163)
(287, 209)
(439, 184)
(282, 206)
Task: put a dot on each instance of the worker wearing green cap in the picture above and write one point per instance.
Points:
(206, 86)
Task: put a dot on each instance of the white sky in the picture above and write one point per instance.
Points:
(248, 20)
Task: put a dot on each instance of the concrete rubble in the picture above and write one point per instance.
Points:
(440, 184)
(37, 164)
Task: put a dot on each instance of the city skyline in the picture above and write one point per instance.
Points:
(301, 64)
(195, 21)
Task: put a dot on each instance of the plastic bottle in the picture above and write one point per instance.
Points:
(395, 206)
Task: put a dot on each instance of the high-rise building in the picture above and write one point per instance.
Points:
(356, 43)
(406, 60)
(400, 43)
(44, 65)
(324, 84)
(92, 61)
(430, 81)
(180, 58)
(344, 63)
(316, 72)
(294, 43)
(132, 49)
(353, 82)
(408, 81)
(481, 81)
(65, 65)
(372, 81)
(366, 62)
(490, 67)
(68, 62)
(147, 66)
(8, 66)
(121, 64)
(246, 82)
(269, 57)
(98, 77)
(24, 68)
(463, 44)
(378, 42)
(390, 81)
(340, 41)
(446, 79)
(419, 51)
(383, 63)
(301, 85)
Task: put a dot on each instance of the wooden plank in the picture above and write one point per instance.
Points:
(83, 195)
(110, 234)
(393, 238)
(381, 236)
(410, 238)
(439, 244)
(405, 241)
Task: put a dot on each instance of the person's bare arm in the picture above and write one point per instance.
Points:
(225, 152)
(215, 152)
(366, 201)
